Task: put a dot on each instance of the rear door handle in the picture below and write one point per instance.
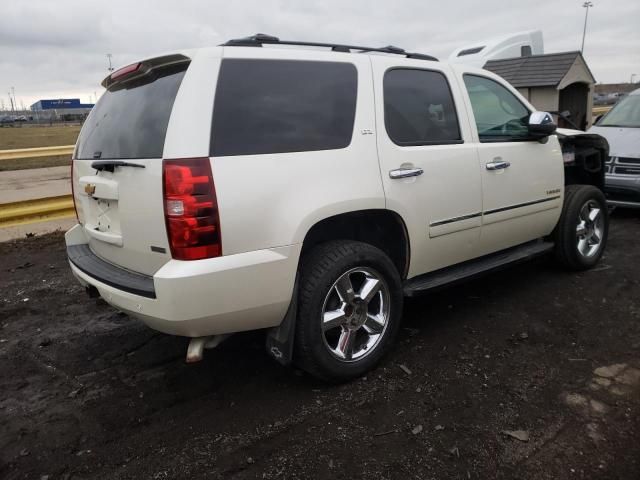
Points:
(499, 165)
(405, 173)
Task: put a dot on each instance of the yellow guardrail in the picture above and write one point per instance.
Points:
(600, 110)
(41, 209)
(32, 211)
(36, 152)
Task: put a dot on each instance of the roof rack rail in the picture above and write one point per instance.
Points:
(259, 39)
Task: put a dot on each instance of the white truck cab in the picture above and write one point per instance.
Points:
(308, 190)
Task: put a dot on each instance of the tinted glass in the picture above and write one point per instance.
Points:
(418, 108)
(131, 118)
(499, 115)
(626, 113)
(279, 106)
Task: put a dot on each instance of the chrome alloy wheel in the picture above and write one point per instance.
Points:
(590, 229)
(355, 314)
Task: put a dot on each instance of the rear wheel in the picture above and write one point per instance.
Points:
(349, 309)
(581, 234)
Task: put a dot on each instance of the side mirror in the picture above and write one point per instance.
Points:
(541, 124)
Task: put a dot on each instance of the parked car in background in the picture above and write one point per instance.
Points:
(621, 127)
(7, 120)
(607, 98)
(308, 191)
(599, 99)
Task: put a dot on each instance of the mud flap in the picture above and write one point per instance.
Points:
(279, 342)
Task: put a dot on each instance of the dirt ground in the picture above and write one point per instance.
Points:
(90, 393)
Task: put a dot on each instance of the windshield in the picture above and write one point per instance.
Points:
(626, 113)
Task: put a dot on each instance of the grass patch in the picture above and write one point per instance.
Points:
(40, 136)
(31, 137)
(27, 163)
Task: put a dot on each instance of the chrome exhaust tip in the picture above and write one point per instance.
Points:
(196, 347)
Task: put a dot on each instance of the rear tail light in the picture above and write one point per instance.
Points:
(191, 209)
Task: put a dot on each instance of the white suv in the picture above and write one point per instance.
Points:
(307, 190)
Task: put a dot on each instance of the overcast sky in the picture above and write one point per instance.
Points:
(56, 48)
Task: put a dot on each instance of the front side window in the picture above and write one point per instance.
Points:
(626, 113)
(419, 108)
(499, 115)
(280, 106)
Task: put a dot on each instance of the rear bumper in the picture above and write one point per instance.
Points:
(82, 258)
(623, 190)
(227, 294)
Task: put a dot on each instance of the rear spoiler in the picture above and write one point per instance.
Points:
(140, 69)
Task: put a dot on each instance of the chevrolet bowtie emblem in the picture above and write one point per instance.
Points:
(89, 189)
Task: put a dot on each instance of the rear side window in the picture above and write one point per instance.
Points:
(279, 106)
(419, 108)
(131, 118)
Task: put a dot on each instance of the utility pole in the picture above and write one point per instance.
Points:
(110, 67)
(15, 102)
(11, 101)
(586, 5)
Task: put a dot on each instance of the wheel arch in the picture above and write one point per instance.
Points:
(389, 235)
(585, 156)
(381, 228)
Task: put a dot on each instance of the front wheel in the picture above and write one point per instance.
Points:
(349, 310)
(581, 234)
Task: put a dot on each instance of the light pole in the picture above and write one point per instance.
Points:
(586, 5)
(109, 57)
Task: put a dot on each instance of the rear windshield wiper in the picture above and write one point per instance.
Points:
(110, 165)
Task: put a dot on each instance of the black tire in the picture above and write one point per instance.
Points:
(320, 269)
(566, 235)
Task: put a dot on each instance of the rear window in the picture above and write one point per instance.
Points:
(131, 118)
(278, 106)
